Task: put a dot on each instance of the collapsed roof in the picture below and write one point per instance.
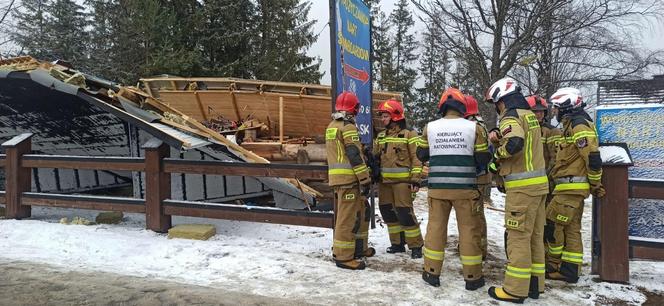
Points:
(34, 95)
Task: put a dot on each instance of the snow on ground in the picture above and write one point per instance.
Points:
(292, 262)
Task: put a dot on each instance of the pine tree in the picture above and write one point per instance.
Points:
(101, 36)
(404, 53)
(176, 43)
(434, 67)
(31, 31)
(146, 37)
(284, 35)
(382, 66)
(67, 36)
(227, 37)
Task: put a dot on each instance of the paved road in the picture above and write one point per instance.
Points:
(25, 283)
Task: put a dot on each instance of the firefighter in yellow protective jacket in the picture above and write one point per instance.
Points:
(577, 173)
(454, 147)
(483, 175)
(400, 172)
(551, 136)
(349, 176)
(520, 162)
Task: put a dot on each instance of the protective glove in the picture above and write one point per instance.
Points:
(597, 190)
(494, 164)
(493, 167)
(494, 135)
(501, 188)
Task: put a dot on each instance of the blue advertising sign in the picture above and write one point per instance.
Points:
(640, 127)
(646, 220)
(352, 55)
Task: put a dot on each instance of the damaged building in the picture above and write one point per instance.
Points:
(72, 113)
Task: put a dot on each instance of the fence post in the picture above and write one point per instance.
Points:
(157, 185)
(17, 178)
(610, 228)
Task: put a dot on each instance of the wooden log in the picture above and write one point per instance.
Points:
(316, 152)
(269, 150)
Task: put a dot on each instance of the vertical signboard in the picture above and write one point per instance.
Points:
(639, 126)
(350, 31)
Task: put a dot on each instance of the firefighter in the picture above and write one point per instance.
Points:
(400, 172)
(454, 147)
(349, 176)
(519, 160)
(551, 136)
(483, 175)
(577, 173)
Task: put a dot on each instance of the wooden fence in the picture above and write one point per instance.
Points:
(611, 246)
(157, 205)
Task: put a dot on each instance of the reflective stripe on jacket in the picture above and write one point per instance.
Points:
(342, 168)
(522, 170)
(396, 149)
(572, 172)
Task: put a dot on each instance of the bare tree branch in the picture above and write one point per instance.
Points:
(9, 8)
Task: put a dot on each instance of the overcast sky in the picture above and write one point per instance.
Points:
(653, 34)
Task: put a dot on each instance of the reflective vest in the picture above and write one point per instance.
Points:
(451, 154)
(524, 170)
(342, 168)
(396, 149)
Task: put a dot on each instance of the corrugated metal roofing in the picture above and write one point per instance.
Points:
(194, 142)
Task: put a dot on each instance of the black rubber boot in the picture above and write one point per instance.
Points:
(534, 290)
(473, 285)
(369, 252)
(570, 271)
(396, 248)
(416, 253)
(431, 279)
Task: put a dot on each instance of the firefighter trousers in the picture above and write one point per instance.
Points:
(564, 252)
(351, 225)
(436, 237)
(396, 207)
(524, 223)
(483, 242)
